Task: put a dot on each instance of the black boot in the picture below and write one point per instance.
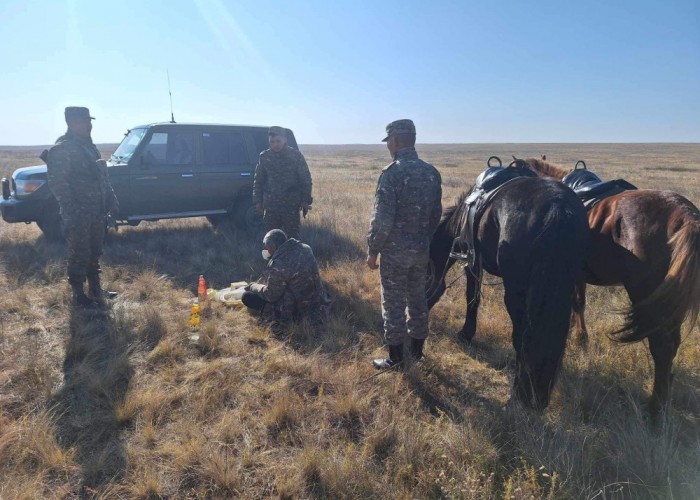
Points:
(415, 348)
(79, 297)
(395, 359)
(96, 292)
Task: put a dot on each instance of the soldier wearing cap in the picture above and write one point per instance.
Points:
(407, 210)
(78, 180)
(282, 185)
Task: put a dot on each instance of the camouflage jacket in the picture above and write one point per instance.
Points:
(282, 180)
(292, 281)
(78, 181)
(407, 205)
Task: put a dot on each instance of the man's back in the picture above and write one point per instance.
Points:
(74, 178)
(407, 205)
(293, 272)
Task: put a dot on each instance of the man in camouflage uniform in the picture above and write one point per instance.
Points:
(407, 210)
(79, 182)
(282, 185)
(292, 282)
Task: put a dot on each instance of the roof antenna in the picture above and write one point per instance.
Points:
(172, 116)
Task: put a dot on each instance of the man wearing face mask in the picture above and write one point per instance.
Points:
(292, 283)
(282, 185)
(78, 180)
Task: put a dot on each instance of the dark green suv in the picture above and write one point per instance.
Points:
(161, 171)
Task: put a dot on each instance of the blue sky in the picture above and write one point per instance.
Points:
(337, 72)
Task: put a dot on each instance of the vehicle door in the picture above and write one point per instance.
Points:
(225, 167)
(119, 170)
(163, 181)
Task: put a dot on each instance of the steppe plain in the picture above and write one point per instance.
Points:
(127, 406)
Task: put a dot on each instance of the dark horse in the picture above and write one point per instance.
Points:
(649, 242)
(533, 234)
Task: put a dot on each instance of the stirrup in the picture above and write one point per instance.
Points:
(461, 255)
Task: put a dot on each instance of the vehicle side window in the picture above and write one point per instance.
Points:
(220, 148)
(261, 139)
(239, 154)
(170, 148)
(214, 148)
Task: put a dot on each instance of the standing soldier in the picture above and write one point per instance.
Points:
(78, 179)
(282, 185)
(407, 210)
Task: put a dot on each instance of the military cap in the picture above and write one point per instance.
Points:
(77, 112)
(404, 126)
(278, 131)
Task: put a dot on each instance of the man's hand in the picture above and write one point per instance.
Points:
(259, 208)
(372, 262)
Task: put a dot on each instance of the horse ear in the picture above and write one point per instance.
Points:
(544, 157)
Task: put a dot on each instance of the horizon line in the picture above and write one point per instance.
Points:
(418, 143)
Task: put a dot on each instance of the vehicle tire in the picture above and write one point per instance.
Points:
(51, 225)
(245, 217)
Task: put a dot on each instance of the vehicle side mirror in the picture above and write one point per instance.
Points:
(142, 163)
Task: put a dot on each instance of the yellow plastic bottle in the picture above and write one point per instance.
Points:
(194, 316)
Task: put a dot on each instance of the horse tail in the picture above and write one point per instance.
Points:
(677, 298)
(559, 262)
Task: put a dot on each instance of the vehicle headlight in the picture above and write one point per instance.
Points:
(27, 186)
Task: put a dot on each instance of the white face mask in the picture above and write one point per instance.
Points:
(266, 254)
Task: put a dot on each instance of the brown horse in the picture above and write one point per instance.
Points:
(649, 242)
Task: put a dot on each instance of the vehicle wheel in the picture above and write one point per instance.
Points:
(51, 225)
(245, 217)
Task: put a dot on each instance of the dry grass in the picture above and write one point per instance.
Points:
(127, 406)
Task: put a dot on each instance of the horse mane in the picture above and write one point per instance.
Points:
(546, 169)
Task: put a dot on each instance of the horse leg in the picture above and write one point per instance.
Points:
(579, 307)
(523, 389)
(663, 349)
(473, 294)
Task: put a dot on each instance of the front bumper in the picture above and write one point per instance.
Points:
(14, 210)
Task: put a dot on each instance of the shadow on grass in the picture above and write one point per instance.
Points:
(441, 393)
(24, 262)
(97, 372)
(222, 255)
(348, 316)
(182, 253)
(329, 247)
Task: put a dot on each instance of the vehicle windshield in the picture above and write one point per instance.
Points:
(128, 145)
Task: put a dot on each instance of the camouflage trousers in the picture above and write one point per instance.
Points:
(288, 220)
(280, 317)
(403, 278)
(85, 238)
(285, 309)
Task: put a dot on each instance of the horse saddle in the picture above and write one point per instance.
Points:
(490, 182)
(591, 189)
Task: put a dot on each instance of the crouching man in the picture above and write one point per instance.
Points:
(291, 285)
